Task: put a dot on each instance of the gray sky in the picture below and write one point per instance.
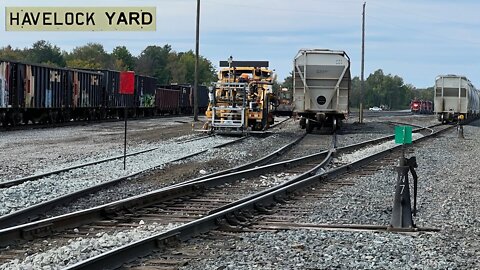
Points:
(416, 40)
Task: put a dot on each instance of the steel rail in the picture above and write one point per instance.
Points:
(257, 202)
(281, 122)
(19, 181)
(35, 212)
(20, 127)
(259, 162)
(54, 224)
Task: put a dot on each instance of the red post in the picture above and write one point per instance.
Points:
(127, 87)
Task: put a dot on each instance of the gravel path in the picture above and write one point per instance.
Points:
(449, 195)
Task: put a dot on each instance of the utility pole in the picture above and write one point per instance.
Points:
(195, 87)
(362, 87)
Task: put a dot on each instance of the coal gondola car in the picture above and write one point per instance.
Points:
(145, 90)
(141, 103)
(321, 86)
(167, 101)
(454, 96)
(39, 93)
(186, 97)
(31, 93)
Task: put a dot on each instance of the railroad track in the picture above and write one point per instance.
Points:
(81, 123)
(173, 199)
(168, 202)
(235, 218)
(35, 211)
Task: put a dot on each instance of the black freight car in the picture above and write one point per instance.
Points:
(145, 87)
(38, 93)
(114, 102)
(186, 99)
(167, 101)
(141, 103)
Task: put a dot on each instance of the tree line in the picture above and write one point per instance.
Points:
(161, 62)
(169, 66)
(380, 89)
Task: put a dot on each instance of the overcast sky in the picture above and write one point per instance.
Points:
(416, 40)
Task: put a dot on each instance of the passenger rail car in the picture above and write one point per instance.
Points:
(454, 96)
(321, 86)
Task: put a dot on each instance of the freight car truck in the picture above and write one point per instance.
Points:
(321, 86)
(454, 96)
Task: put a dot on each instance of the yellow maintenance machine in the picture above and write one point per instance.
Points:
(242, 99)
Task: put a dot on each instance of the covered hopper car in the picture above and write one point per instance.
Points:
(321, 86)
(454, 96)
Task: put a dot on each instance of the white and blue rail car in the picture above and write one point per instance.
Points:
(321, 87)
(454, 96)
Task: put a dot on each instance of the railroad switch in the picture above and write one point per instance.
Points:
(402, 207)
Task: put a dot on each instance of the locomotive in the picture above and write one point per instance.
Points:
(455, 96)
(321, 87)
(421, 106)
(42, 94)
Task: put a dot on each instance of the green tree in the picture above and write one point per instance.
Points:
(423, 93)
(381, 89)
(92, 55)
(288, 82)
(124, 58)
(206, 71)
(153, 62)
(8, 53)
(355, 93)
(43, 52)
(177, 70)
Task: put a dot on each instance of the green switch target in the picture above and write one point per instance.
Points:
(403, 134)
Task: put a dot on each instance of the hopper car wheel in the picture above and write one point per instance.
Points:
(303, 123)
(309, 126)
(26, 119)
(335, 124)
(16, 118)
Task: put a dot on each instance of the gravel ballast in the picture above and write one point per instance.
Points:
(304, 249)
(47, 188)
(449, 192)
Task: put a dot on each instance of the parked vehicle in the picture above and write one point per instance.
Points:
(375, 108)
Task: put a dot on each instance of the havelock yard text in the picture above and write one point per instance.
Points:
(80, 18)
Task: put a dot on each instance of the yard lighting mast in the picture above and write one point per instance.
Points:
(195, 87)
(362, 87)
